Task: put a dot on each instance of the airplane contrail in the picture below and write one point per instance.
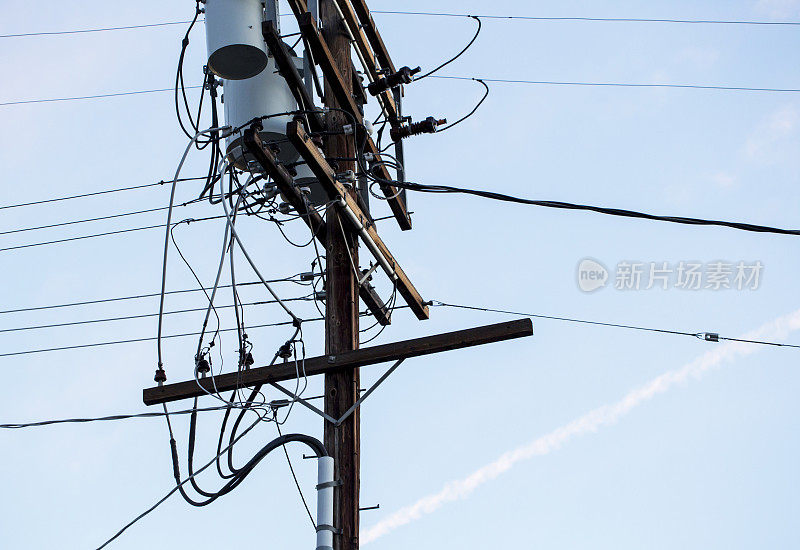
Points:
(589, 422)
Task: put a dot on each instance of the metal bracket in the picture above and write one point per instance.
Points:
(331, 528)
(336, 483)
(368, 273)
(351, 410)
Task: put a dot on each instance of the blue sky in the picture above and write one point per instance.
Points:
(710, 463)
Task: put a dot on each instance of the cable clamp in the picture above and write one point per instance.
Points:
(331, 528)
(327, 484)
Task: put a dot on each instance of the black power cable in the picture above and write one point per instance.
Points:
(598, 209)
(179, 84)
(459, 54)
(315, 445)
(472, 112)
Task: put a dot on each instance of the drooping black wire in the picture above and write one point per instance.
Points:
(459, 54)
(274, 444)
(472, 112)
(179, 84)
(41, 423)
(196, 278)
(294, 477)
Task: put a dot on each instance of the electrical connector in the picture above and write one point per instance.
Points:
(346, 177)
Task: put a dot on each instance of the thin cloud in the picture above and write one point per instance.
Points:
(588, 423)
(774, 137)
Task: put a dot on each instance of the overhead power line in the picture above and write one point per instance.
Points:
(705, 336)
(597, 209)
(624, 84)
(446, 14)
(139, 296)
(591, 19)
(153, 338)
(497, 80)
(84, 220)
(99, 29)
(103, 234)
(94, 193)
(146, 339)
(95, 96)
(145, 315)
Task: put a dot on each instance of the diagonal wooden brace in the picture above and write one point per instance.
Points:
(336, 191)
(285, 183)
(324, 58)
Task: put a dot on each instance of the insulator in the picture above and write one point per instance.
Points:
(403, 76)
(427, 126)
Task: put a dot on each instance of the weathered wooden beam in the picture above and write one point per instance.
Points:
(288, 70)
(326, 61)
(405, 349)
(371, 30)
(370, 63)
(326, 176)
(285, 183)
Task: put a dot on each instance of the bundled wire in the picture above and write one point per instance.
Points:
(598, 209)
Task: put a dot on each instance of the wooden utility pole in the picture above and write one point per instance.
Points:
(346, 223)
(341, 313)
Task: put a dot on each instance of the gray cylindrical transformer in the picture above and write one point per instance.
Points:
(264, 94)
(236, 48)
